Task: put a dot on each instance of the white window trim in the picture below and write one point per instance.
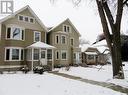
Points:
(56, 54)
(19, 17)
(15, 26)
(65, 39)
(66, 28)
(33, 20)
(73, 42)
(28, 19)
(56, 39)
(66, 54)
(39, 35)
(10, 57)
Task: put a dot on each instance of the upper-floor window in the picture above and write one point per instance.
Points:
(66, 28)
(16, 54)
(15, 33)
(57, 39)
(20, 17)
(72, 41)
(26, 18)
(37, 36)
(63, 39)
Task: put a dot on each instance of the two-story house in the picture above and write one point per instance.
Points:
(65, 37)
(23, 40)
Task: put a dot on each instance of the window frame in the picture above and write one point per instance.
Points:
(64, 51)
(56, 39)
(57, 51)
(62, 39)
(35, 35)
(12, 27)
(71, 41)
(66, 28)
(10, 53)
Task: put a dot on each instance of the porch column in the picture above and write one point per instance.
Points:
(32, 60)
(52, 59)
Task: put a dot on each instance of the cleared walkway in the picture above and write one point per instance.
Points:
(103, 84)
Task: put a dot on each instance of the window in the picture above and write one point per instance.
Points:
(63, 55)
(63, 39)
(66, 28)
(31, 20)
(14, 54)
(21, 18)
(57, 39)
(91, 57)
(15, 33)
(36, 54)
(72, 42)
(57, 55)
(37, 36)
(26, 19)
(49, 54)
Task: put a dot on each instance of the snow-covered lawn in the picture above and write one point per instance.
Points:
(48, 84)
(98, 73)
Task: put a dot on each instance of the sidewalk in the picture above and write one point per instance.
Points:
(103, 84)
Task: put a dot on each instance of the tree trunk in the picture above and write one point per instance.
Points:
(113, 42)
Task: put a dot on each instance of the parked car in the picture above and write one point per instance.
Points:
(38, 69)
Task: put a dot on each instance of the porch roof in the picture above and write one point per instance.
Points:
(41, 45)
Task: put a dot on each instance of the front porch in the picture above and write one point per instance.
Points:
(38, 54)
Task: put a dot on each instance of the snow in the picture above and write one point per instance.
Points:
(48, 84)
(41, 45)
(91, 53)
(99, 73)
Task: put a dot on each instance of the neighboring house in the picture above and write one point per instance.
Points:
(65, 37)
(90, 56)
(19, 33)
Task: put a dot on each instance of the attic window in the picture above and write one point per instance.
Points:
(26, 19)
(66, 28)
(20, 18)
(31, 20)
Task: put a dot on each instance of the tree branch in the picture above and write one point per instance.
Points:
(125, 2)
(108, 14)
(104, 24)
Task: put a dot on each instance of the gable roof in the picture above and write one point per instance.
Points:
(22, 9)
(63, 22)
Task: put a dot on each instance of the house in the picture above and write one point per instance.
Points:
(65, 37)
(90, 56)
(23, 41)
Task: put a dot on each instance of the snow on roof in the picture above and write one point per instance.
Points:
(91, 53)
(41, 45)
(101, 49)
(84, 47)
(101, 43)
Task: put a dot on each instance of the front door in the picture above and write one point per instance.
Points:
(43, 59)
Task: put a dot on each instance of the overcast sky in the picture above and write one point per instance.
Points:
(85, 18)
